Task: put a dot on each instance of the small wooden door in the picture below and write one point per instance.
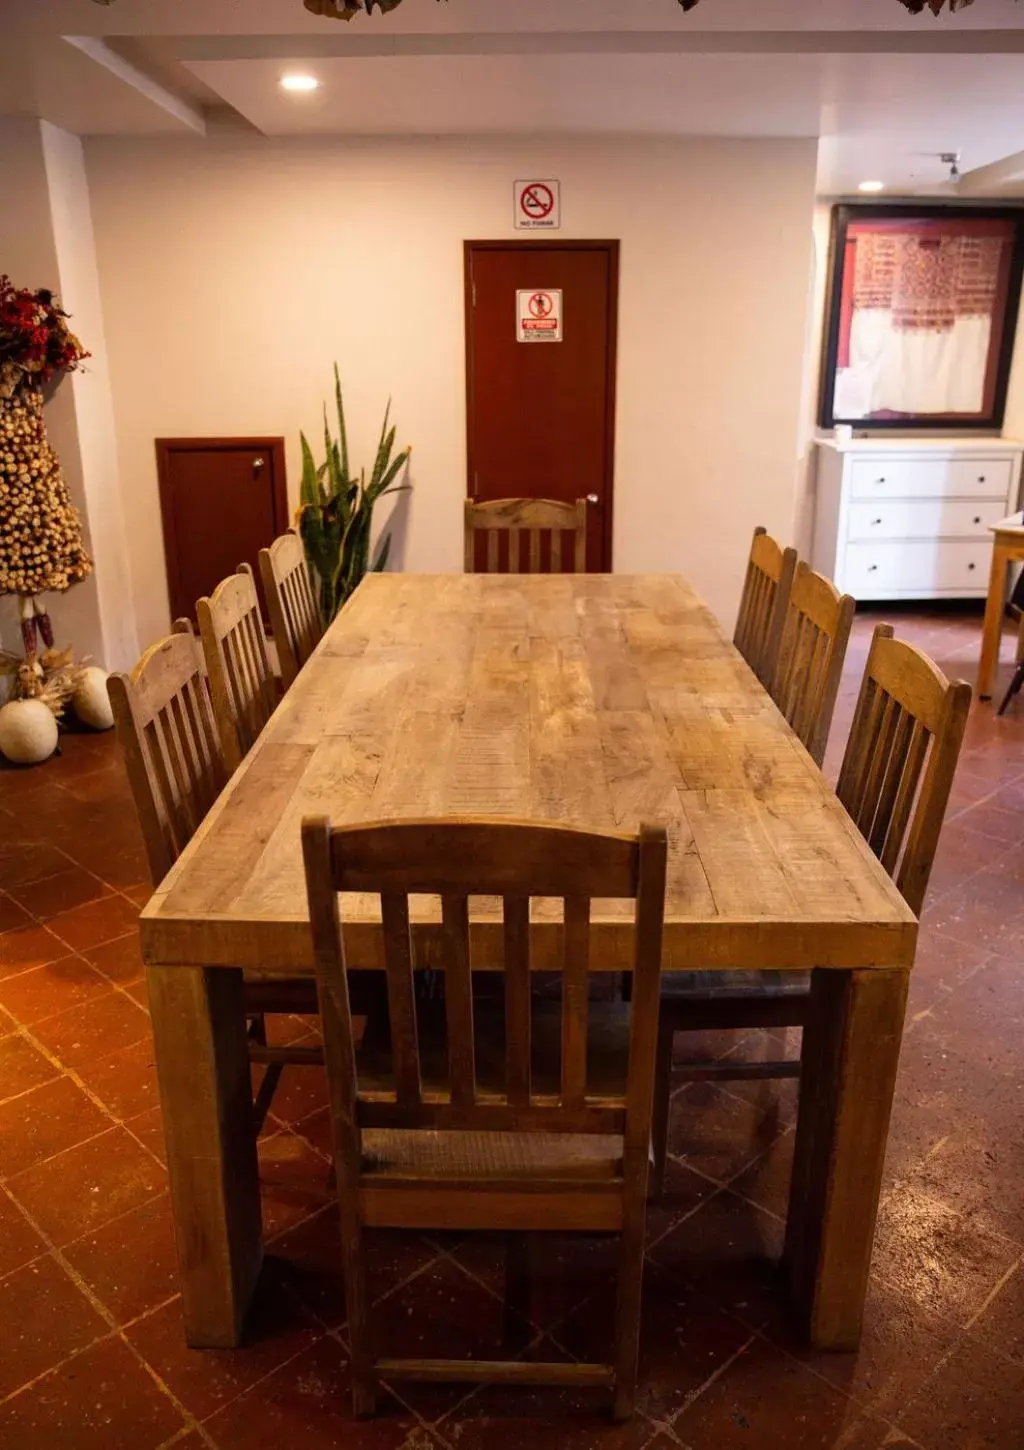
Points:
(222, 501)
(541, 413)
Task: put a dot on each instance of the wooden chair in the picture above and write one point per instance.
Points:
(763, 604)
(529, 517)
(1017, 679)
(464, 1155)
(294, 612)
(812, 651)
(898, 769)
(242, 685)
(167, 732)
(895, 780)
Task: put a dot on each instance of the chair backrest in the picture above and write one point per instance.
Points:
(525, 521)
(899, 763)
(291, 603)
(241, 681)
(514, 861)
(812, 649)
(763, 604)
(171, 747)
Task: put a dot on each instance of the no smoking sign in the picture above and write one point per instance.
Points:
(538, 206)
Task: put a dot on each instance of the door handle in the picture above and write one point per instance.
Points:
(593, 498)
(258, 463)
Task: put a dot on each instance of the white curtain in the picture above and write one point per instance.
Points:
(912, 370)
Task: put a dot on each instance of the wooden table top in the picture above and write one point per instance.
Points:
(594, 700)
(1009, 530)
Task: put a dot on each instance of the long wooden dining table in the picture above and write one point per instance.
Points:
(599, 701)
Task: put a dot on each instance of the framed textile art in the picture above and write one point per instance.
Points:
(921, 316)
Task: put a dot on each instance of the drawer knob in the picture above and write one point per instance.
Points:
(873, 567)
(981, 478)
(970, 566)
(977, 519)
(876, 521)
(879, 480)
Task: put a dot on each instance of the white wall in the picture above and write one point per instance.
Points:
(90, 393)
(233, 271)
(46, 241)
(807, 461)
(28, 254)
(1013, 422)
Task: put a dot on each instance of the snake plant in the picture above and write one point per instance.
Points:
(336, 510)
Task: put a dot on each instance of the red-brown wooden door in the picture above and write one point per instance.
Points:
(541, 415)
(222, 500)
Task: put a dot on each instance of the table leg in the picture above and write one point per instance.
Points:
(995, 608)
(203, 1065)
(851, 1053)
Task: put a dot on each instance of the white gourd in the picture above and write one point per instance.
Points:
(28, 732)
(91, 701)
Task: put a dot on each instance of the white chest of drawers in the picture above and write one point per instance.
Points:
(910, 518)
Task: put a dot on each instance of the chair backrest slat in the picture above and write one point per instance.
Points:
(888, 850)
(898, 769)
(575, 999)
(518, 1020)
(512, 861)
(241, 681)
(893, 762)
(458, 996)
(763, 604)
(401, 997)
(525, 521)
(294, 612)
(812, 650)
(171, 746)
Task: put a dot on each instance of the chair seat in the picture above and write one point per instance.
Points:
(508, 1157)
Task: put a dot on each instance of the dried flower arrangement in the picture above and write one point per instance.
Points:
(35, 340)
(41, 543)
(54, 678)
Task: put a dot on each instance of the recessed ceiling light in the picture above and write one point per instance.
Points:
(299, 82)
(871, 186)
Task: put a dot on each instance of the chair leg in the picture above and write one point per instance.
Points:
(627, 1313)
(659, 1115)
(517, 1292)
(1015, 685)
(357, 1303)
(265, 1096)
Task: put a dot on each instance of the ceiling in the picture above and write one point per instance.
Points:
(885, 91)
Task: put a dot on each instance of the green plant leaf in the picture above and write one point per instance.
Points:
(342, 430)
(384, 447)
(336, 517)
(383, 550)
(309, 490)
(384, 486)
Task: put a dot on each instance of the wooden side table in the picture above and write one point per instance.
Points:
(1008, 545)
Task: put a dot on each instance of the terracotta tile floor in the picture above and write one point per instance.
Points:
(91, 1350)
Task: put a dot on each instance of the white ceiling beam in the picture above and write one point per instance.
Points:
(345, 43)
(98, 51)
(984, 180)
